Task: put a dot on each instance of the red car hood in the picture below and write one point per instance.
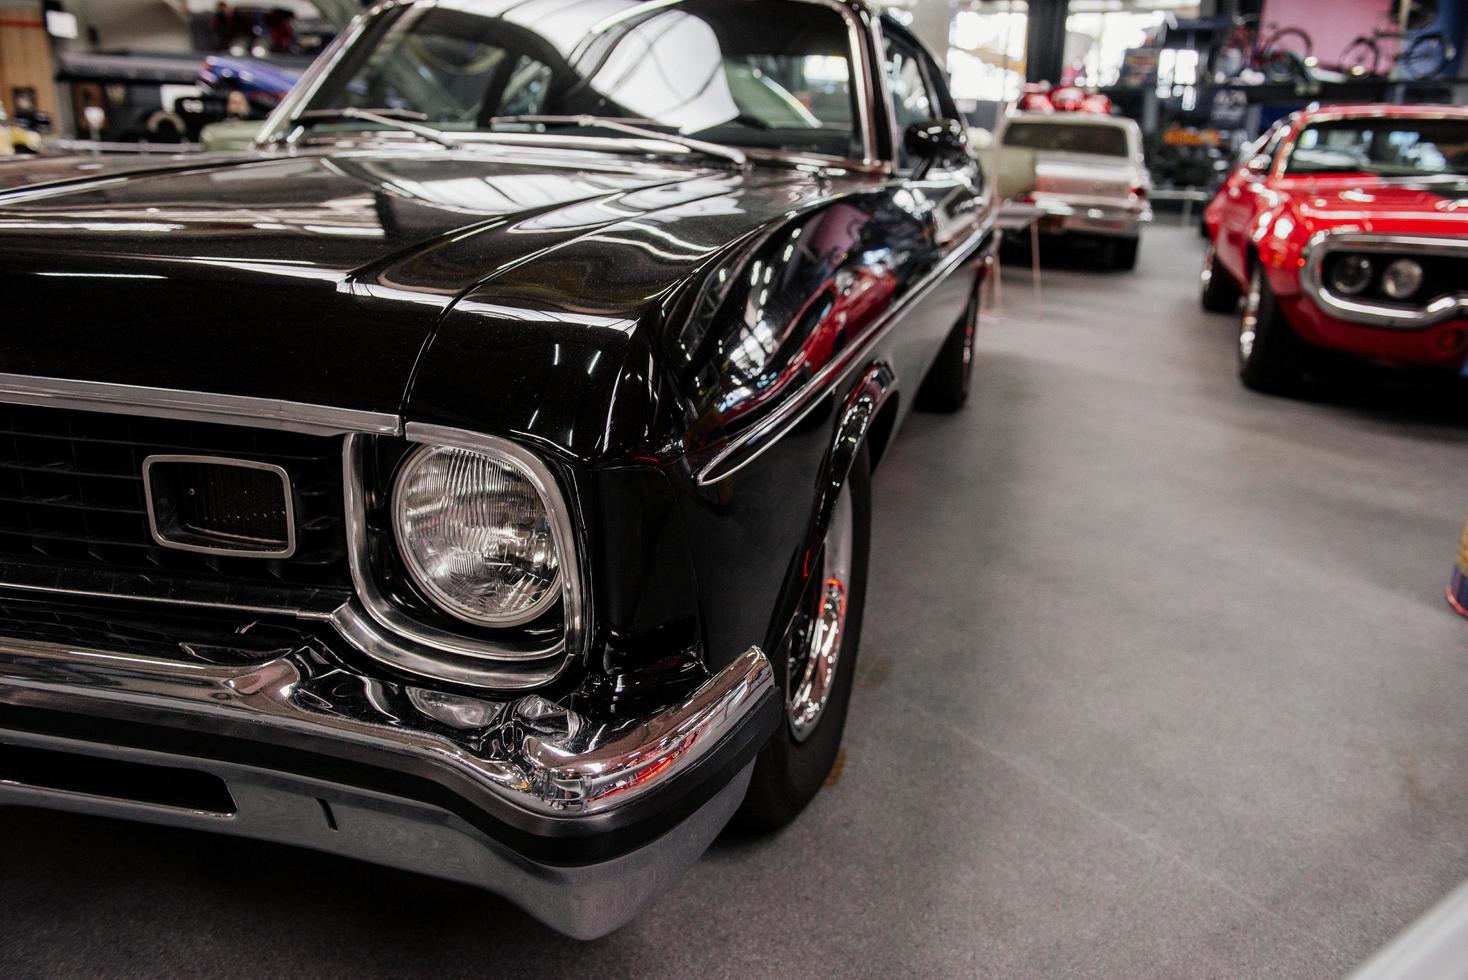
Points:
(1377, 206)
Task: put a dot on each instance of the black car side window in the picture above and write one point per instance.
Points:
(913, 97)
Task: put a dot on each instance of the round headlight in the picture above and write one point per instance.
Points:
(476, 536)
(1350, 274)
(1402, 278)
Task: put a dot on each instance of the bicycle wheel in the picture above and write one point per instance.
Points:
(1291, 40)
(1425, 56)
(1285, 53)
(1360, 57)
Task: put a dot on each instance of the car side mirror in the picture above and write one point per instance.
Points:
(1258, 165)
(935, 140)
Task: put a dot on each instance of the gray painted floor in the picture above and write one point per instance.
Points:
(1157, 680)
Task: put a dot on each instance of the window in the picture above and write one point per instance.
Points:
(913, 99)
(772, 74)
(1384, 146)
(1107, 141)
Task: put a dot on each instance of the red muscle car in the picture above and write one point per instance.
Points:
(1345, 228)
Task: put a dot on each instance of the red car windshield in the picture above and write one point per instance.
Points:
(1385, 147)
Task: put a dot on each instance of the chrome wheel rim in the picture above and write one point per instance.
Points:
(970, 328)
(1207, 274)
(815, 648)
(1249, 324)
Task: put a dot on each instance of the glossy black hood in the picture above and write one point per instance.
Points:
(315, 278)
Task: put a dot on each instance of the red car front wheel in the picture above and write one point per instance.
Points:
(1271, 356)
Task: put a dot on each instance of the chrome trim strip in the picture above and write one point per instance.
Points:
(199, 406)
(750, 444)
(247, 464)
(1372, 314)
(531, 753)
(862, 73)
(378, 628)
(276, 126)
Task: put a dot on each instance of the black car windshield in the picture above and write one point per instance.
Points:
(763, 74)
(1385, 146)
(1068, 137)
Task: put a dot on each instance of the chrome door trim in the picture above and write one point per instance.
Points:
(1373, 314)
(750, 444)
(197, 406)
(244, 464)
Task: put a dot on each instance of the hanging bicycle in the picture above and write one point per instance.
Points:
(1279, 54)
(1401, 47)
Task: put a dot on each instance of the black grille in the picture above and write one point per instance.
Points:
(150, 629)
(71, 493)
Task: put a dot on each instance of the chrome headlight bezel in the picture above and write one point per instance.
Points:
(523, 468)
(430, 643)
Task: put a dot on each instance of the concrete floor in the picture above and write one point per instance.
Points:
(1157, 680)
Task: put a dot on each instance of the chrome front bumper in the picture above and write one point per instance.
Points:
(1090, 216)
(579, 822)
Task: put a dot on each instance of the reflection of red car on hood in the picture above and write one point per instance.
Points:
(1346, 228)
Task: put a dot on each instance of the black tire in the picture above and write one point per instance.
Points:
(1271, 355)
(788, 773)
(946, 387)
(1220, 294)
(1124, 254)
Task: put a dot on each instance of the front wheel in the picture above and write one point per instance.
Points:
(817, 661)
(1271, 356)
(1220, 294)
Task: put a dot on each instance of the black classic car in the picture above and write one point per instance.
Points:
(475, 477)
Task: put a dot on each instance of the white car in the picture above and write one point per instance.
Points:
(1089, 176)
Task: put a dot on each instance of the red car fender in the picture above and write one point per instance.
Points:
(1279, 237)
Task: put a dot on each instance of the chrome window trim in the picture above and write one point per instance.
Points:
(750, 444)
(861, 28)
(276, 128)
(246, 464)
(197, 406)
(378, 628)
(1374, 314)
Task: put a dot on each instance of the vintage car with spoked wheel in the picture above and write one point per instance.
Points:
(474, 477)
(1344, 230)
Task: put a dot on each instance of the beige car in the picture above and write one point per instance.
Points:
(1089, 170)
